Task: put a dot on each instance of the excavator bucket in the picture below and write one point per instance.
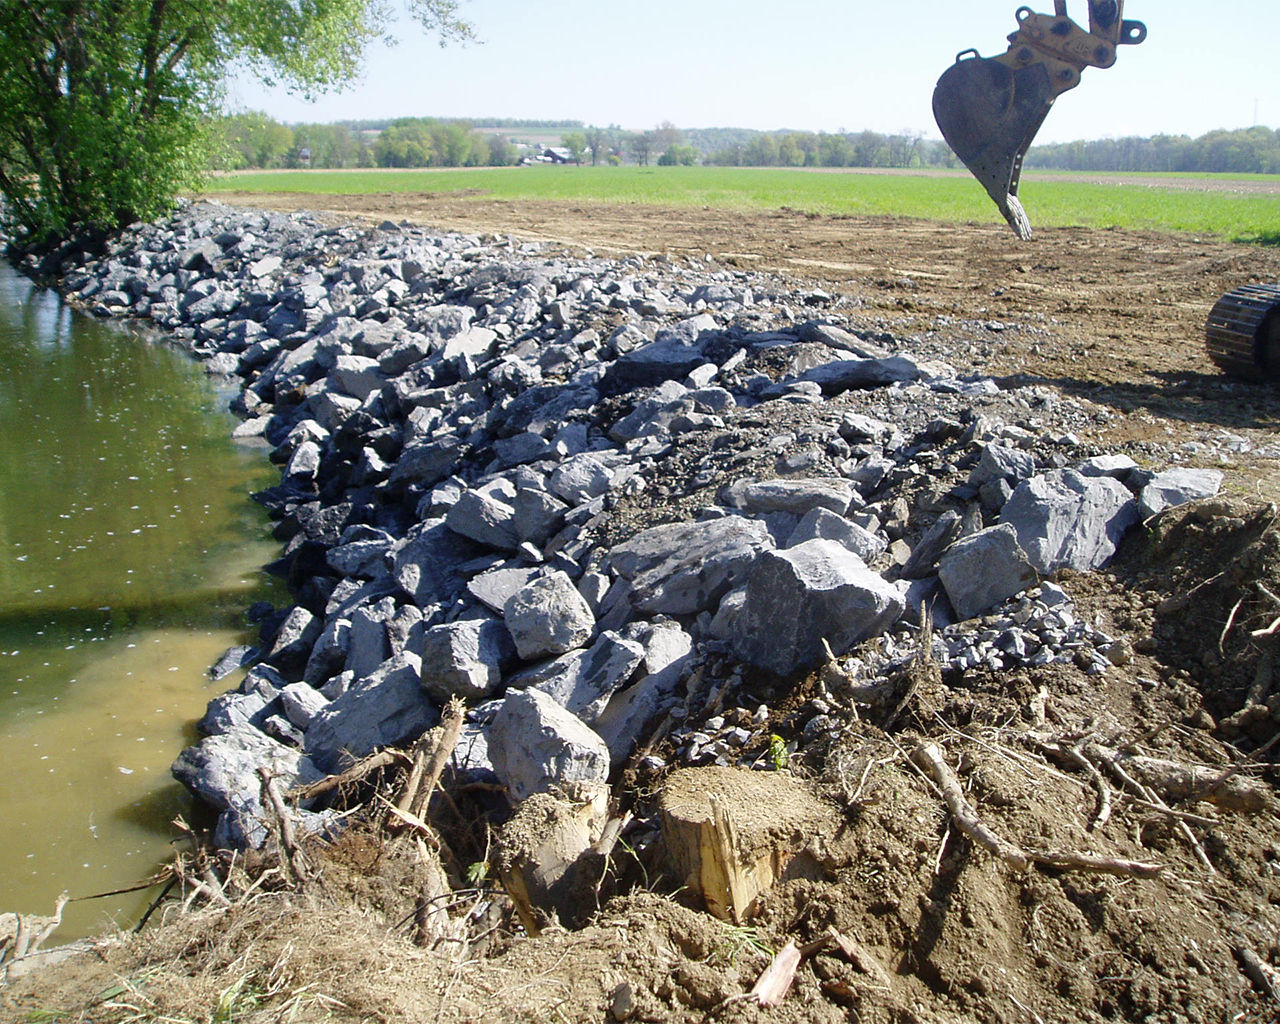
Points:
(990, 108)
(989, 113)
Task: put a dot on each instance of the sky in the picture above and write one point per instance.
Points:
(815, 65)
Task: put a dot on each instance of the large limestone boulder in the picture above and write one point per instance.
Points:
(798, 597)
(983, 569)
(1065, 520)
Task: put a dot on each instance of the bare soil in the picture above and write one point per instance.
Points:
(948, 932)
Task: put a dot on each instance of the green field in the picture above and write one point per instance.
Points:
(952, 197)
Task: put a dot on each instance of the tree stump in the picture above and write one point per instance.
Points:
(732, 834)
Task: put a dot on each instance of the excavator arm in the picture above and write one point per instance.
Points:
(990, 108)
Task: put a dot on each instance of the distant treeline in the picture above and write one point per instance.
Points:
(1244, 150)
(254, 140)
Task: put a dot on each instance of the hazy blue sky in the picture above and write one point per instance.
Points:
(818, 65)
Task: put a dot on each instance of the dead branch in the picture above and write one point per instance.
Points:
(1255, 970)
(1071, 861)
(1270, 630)
(358, 772)
(1230, 622)
(1076, 756)
(292, 857)
(430, 758)
(1260, 689)
(928, 756)
(1113, 762)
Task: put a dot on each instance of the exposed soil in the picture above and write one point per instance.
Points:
(948, 933)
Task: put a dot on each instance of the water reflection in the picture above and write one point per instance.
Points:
(128, 551)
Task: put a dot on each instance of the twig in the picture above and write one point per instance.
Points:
(1253, 968)
(1260, 689)
(1071, 861)
(1270, 630)
(356, 773)
(1172, 812)
(293, 857)
(928, 756)
(1227, 628)
(1147, 794)
(1076, 756)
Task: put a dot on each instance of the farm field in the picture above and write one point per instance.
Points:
(1241, 208)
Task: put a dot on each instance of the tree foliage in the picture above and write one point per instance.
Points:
(1253, 150)
(108, 103)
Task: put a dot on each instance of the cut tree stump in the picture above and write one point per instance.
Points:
(732, 834)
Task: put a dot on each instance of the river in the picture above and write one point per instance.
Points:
(129, 551)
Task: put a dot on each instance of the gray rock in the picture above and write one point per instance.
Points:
(368, 645)
(820, 524)
(849, 374)
(329, 652)
(797, 597)
(384, 708)
(1119, 466)
(357, 376)
(539, 515)
(981, 570)
(428, 462)
(583, 680)
(493, 588)
(361, 552)
(234, 710)
(536, 746)
(1065, 520)
(668, 655)
(484, 519)
(941, 535)
(221, 767)
(998, 462)
(1174, 487)
(427, 565)
(581, 478)
(477, 342)
(465, 659)
(547, 616)
(685, 568)
(301, 703)
(293, 640)
(795, 496)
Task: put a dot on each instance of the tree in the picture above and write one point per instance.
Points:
(678, 156)
(576, 144)
(255, 140)
(108, 104)
(597, 142)
(641, 146)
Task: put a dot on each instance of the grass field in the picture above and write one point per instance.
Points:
(945, 197)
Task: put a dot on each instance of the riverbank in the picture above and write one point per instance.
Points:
(618, 506)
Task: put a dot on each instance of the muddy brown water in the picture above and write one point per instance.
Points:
(129, 551)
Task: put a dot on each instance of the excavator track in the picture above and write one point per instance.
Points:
(1243, 333)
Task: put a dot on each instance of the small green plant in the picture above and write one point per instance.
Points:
(778, 755)
(477, 872)
(737, 940)
(236, 1000)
